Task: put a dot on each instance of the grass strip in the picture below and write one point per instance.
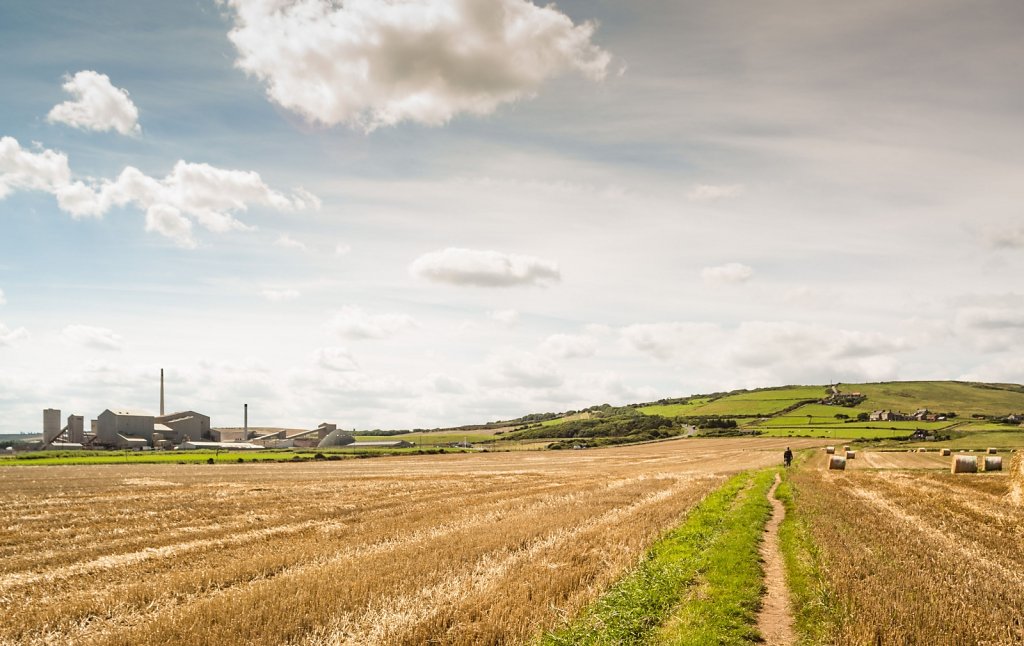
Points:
(815, 611)
(700, 584)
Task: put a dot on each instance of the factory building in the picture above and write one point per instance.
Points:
(123, 428)
(184, 426)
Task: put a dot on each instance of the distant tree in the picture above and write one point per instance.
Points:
(842, 416)
(863, 417)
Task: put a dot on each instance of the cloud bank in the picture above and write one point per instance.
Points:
(471, 267)
(97, 105)
(373, 63)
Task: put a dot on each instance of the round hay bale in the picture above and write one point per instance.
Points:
(830, 450)
(846, 447)
(964, 464)
(946, 453)
(1016, 495)
(922, 450)
(991, 451)
(837, 463)
(993, 463)
(850, 455)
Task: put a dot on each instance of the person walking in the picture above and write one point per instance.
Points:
(787, 457)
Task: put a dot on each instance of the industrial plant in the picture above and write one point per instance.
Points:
(122, 428)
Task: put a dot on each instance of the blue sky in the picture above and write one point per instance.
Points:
(430, 213)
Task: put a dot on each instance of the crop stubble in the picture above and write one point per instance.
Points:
(918, 557)
(459, 549)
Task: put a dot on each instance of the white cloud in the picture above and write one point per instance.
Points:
(505, 317)
(729, 273)
(288, 242)
(569, 346)
(711, 192)
(342, 249)
(354, 323)
(99, 338)
(484, 268)
(280, 295)
(10, 337)
(209, 195)
(372, 63)
(97, 105)
(336, 359)
(3, 299)
(168, 221)
(21, 169)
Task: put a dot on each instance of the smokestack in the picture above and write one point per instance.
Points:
(245, 431)
(161, 392)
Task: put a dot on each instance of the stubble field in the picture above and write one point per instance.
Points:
(460, 549)
(916, 556)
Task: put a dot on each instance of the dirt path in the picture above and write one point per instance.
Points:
(775, 622)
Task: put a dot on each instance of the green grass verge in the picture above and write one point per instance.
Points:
(700, 584)
(815, 613)
(70, 458)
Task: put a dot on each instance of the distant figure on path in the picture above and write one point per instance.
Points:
(787, 457)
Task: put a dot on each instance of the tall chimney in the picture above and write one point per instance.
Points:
(161, 392)
(245, 431)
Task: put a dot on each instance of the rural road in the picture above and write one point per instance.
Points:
(775, 622)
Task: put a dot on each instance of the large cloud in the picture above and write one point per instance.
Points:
(3, 299)
(371, 63)
(97, 105)
(484, 268)
(209, 195)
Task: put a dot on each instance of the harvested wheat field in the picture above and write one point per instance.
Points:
(460, 549)
(886, 460)
(917, 557)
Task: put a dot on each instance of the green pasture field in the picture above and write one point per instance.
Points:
(562, 420)
(432, 439)
(795, 393)
(978, 440)
(820, 414)
(939, 396)
(836, 432)
(673, 410)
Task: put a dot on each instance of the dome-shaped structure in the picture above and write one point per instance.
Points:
(336, 438)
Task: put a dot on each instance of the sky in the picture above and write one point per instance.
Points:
(421, 213)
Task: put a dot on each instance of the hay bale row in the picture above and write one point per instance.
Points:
(837, 463)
